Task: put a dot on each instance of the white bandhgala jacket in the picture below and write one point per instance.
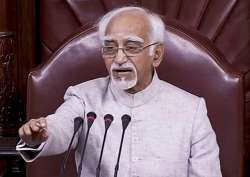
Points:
(169, 134)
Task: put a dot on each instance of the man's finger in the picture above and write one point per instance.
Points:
(21, 133)
(42, 122)
(26, 129)
(44, 134)
(27, 133)
(33, 125)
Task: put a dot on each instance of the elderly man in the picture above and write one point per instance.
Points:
(169, 135)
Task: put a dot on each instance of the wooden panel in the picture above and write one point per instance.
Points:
(7, 15)
(3, 15)
(8, 85)
(17, 57)
(11, 104)
(26, 42)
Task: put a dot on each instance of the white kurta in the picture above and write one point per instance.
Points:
(169, 134)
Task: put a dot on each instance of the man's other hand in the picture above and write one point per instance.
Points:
(34, 132)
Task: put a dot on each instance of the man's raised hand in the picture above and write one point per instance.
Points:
(34, 132)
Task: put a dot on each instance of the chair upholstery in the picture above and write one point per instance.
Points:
(225, 23)
(192, 62)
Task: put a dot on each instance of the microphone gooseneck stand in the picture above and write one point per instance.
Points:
(78, 121)
(107, 120)
(125, 121)
(91, 116)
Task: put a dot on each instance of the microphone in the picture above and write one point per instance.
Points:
(78, 121)
(125, 121)
(91, 116)
(107, 120)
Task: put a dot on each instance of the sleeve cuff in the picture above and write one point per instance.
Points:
(22, 146)
(29, 153)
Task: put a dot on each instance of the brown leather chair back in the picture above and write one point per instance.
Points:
(191, 62)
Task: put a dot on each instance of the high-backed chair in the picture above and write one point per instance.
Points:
(191, 62)
(224, 23)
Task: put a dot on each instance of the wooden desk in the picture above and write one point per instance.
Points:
(11, 164)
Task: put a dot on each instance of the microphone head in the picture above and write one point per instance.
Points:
(108, 118)
(78, 121)
(125, 121)
(91, 116)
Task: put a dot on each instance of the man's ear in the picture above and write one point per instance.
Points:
(158, 55)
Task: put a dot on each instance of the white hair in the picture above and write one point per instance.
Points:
(157, 31)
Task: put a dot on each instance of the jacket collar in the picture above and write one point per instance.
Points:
(139, 98)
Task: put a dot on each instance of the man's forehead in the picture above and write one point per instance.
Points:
(123, 37)
(131, 24)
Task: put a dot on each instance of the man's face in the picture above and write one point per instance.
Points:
(129, 31)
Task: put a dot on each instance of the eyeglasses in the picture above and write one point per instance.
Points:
(129, 51)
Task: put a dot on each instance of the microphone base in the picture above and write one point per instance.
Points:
(116, 170)
(98, 172)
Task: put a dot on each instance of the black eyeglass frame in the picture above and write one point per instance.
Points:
(124, 51)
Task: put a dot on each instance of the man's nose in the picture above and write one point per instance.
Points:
(120, 57)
